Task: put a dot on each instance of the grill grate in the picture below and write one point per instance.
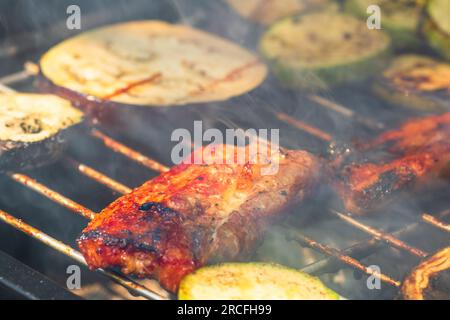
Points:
(347, 256)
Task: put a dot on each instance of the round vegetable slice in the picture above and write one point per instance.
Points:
(401, 19)
(417, 285)
(32, 129)
(415, 81)
(152, 63)
(268, 11)
(318, 50)
(438, 10)
(436, 28)
(252, 281)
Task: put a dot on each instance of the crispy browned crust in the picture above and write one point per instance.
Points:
(366, 187)
(421, 153)
(418, 281)
(193, 214)
(415, 135)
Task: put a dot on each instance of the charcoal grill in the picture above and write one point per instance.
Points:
(115, 160)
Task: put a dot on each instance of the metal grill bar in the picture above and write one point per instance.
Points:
(364, 248)
(381, 235)
(29, 70)
(99, 177)
(53, 195)
(339, 108)
(436, 222)
(322, 135)
(305, 240)
(329, 251)
(77, 256)
(128, 152)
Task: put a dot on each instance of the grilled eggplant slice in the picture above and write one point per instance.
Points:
(33, 128)
(252, 281)
(437, 26)
(401, 19)
(418, 82)
(267, 12)
(152, 63)
(417, 286)
(319, 50)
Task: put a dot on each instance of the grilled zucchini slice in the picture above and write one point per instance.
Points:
(415, 81)
(152, 63)
(437, 26)
(267, 12)
(315, 51)
(418, 285)
(252, 281)
(401, 19)
(33, 128)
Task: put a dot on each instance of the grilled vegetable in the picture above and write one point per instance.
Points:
(417, 286)
(268, 11)
(33, 128)
(152, 63)
(438, 11)
(419, 153)
(197, 213)
(401, 19)
(318, 50)
(437, 26)
(252, 281)
(417, 82)
(437, 39)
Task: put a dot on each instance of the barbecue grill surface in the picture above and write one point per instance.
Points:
(148, 131)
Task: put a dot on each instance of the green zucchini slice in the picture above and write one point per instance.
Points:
(417, 82)
(34, 129)
(252, 281)
(266, 12)
(439, 11)
(401, 19)
(437, 26)
(315, 51)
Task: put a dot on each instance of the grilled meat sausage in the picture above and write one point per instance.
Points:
(33, 129)
(196, 213)
(417, 285)
(415, 135)
(365, 187)
(152, 63)
(419, 151)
